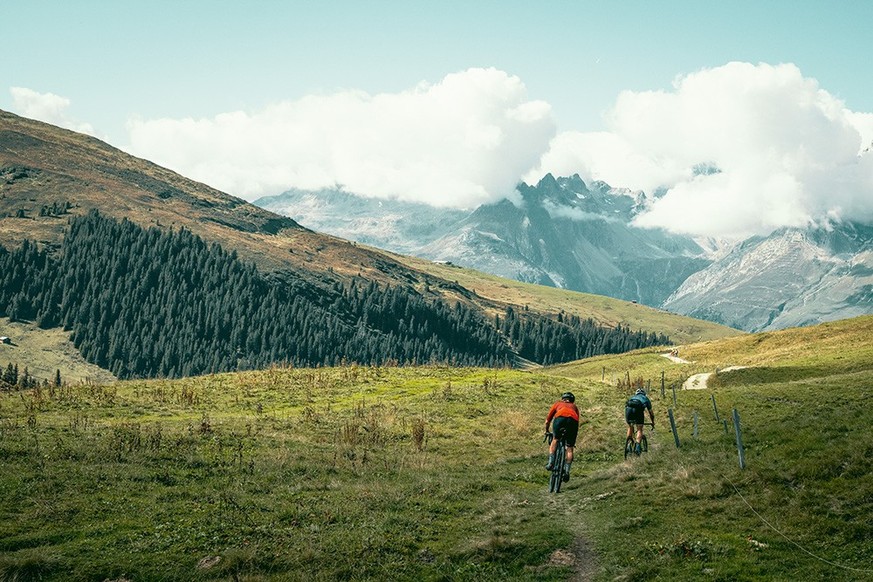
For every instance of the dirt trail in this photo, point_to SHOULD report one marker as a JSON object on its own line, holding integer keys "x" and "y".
{"x": 700, "y": 381}
{"x": 580, "y": 557}
{"x": 586, "y": 560}
{"x": 696, "y": 381}
{"x": 675, "y": 359}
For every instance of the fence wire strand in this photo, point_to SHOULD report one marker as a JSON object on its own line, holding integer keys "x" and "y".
{"x": 794, "y": 543}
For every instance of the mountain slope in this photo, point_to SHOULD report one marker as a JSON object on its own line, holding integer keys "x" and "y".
{"x": 605, "y": 310}
{"x": 350, "y": 298}
{"x": 562, "y": 233}
{"x": 42, "y": 165}
{"x": 793, "y": 277}
{"x": 401, "y": 227}
{"x": 569, "y": 235}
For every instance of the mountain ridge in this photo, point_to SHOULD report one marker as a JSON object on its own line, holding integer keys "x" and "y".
{"x": 792, "y": 277}
{"x": 561, "y": 233}
{"x": 566, "y": 234}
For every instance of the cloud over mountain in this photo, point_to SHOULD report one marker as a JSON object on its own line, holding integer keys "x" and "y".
{"x": 46, "y": 107}
{"x": 742, "y": 149}
{"x": 739, "y": 149}
{"x": 461, "y": 142}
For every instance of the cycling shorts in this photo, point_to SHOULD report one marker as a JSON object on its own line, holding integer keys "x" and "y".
{"x": 570, "y": 427}
{"x": 634, "y": 415}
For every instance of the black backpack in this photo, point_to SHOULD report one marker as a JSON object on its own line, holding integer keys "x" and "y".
{"x": 634, "y": 403}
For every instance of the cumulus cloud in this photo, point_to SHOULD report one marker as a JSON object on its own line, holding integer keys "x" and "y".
{"x": 461, "y": 142}
{"x": 741, "y": 149}
{"x": 46, "y": 107}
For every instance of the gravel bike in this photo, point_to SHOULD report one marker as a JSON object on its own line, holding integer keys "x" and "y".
{"x": 630, "y": 442}
{"x": 556, "y": 477}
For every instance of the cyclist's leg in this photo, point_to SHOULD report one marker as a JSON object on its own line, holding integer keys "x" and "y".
{"x": 640, "y": 437}
{"x": 553, "y": 447}
{"x": 629, "y": 420}
{"x": 571, "y": 432}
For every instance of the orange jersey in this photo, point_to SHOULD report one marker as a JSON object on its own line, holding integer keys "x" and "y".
{"x": 561, "y": 408}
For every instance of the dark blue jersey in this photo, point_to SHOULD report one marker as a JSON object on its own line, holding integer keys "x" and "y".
{"x": 643, "y": 400}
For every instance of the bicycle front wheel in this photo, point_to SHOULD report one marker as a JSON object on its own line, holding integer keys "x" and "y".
{"x": 556, "y": 478}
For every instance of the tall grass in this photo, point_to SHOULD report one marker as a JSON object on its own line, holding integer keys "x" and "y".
{"x": 437, "y": 473}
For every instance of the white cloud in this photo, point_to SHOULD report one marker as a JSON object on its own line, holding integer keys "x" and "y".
{"x": 461, "y": 142}
{"x": 46, "y": 107}
{"x": 561, "y": 211}
{"x": 788, "y": 152}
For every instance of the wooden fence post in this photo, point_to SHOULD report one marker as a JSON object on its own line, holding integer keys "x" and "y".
{"x": 603, "y": 374}
{"x": 696, "y": 418}
{"x": 673, "y": 426}
{"x": 714, "y": 407}
{"x": 740, "y": 450}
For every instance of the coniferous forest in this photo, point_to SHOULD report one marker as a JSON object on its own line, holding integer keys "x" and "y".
{"x": 547, "y": 341}
{"x": 151, "y": 303}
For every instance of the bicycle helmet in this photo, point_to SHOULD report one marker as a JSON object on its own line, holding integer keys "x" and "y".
{"x": 568, "y": 396}
{"x": 641, "y": 391}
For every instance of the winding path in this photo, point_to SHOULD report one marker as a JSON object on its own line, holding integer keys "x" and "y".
{"x": 698, "y": 381}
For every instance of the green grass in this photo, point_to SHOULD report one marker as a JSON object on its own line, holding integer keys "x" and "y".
{"x": 45, "y": 350}
{"x": 436, "y": 473}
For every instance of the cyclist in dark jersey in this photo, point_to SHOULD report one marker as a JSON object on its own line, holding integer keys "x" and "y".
{"x": 634, "y": 415}
{"x": 563, "y": 415}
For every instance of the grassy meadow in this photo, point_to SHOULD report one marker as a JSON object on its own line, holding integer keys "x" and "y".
{"x": 435, "y": 473}
{"x": 45, "y": 351}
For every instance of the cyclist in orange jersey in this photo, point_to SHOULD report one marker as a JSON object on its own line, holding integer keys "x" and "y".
{"x": 563, "y": 415}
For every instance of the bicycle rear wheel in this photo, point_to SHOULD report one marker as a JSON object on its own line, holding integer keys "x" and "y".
{"x": 645, "y": 444}
{"x": 628, "y": 447}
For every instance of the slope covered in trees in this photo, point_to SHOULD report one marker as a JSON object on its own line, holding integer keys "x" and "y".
{"x": 547, "y": 341}
{"x": 145, "y": 303}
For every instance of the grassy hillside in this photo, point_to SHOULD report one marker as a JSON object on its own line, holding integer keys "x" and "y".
{"x": 42, "y": 165}
{"x": 50, "y": 175}
{"x": 45, "y": 351}
{"x": 800, "y": 507}
{"x": 436, "y": 473}
{"x": 605, "y": 310}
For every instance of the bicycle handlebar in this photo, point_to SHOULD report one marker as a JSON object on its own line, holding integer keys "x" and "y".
{"x": 651, "y": 424}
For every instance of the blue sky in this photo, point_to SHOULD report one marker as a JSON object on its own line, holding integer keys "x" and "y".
{"x": 196, "y": 58}
{"x": 116, "y": 67}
